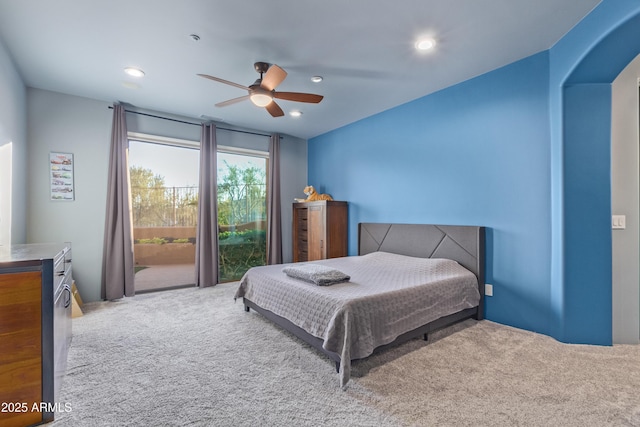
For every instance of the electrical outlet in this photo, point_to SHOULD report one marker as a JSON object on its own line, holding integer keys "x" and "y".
{"x": 488, "y": 290}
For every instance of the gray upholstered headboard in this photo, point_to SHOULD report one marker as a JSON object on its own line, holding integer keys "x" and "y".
{"x": 462, "y": 243}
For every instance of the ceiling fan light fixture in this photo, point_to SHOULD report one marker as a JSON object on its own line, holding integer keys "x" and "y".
{"x": 134, "y": 72}
{"x": 262, "y": 92}
{"x": 261, "y": 99}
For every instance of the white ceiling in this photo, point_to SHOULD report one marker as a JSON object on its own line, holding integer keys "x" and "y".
{"x": 364, "y": 49}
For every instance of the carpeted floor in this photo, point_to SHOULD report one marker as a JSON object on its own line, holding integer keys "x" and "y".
{"x": 194, "y": 357}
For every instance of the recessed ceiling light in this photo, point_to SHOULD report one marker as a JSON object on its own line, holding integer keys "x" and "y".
{"x": 425, "y": 44}
{"x": 134, "y": 72}
{"x": 295, "y": 113}
{"x": 316, "y": 79}
{"x": 194, "y": 37}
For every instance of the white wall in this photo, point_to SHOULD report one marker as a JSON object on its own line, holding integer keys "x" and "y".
{"x": 13, "y": 143}
{"x": 293, "y": 179}
{"x": 82, "y": 126}
{"x": 626, "y": 201}
{"x": 6, "y": 179}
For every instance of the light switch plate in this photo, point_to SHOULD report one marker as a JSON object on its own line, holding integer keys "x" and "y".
{"x": 619, "y": 222}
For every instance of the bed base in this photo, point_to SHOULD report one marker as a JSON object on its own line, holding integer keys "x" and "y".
{"x": 464, "y": 244}
{"x": 422, "y": 331}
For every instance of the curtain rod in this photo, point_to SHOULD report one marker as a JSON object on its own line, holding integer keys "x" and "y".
{"x": 194, "y": 124}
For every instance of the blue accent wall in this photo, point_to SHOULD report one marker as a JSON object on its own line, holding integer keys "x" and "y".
{"x": 476, "y": 153}
{"x": 583, "y": 66}
{"x": 523, "y": 150}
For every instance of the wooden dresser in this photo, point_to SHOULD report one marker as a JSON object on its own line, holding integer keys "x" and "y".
{"x": 319, "y": 230}
{"x": 35, "y": 330}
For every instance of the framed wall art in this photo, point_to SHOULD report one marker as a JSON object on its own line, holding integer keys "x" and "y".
{"x": 61, "y": 176}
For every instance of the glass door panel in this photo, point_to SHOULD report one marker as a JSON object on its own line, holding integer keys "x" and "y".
{"x": 164, "y": 202}
{"x": 242, "y": 214}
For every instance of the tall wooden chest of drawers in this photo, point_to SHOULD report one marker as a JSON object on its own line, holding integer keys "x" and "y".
{"x": 319, "y": 230}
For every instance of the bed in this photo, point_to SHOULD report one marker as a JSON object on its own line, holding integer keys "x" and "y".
{"x": 407, "y": 280}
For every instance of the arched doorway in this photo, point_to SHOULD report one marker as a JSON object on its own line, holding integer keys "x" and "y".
{"x": 585, "y": 282}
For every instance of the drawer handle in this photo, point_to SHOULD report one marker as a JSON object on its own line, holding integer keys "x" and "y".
{"x": 67, "y": 300}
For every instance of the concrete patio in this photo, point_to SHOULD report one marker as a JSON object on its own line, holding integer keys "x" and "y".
{"x": 158, "y": 277}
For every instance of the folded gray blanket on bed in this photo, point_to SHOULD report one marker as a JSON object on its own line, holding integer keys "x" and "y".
{"x": 317, "y": 274}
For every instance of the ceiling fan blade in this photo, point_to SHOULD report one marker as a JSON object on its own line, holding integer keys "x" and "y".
{"x": 227, "y": 82}
{"x": 273, "y": 77}
{"x": 274, "y": 109}
{"x": 299, "y": 97}
{"x": 232, "y": 101}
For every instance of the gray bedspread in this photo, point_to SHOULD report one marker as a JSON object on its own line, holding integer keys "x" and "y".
{"x": 387, "y": 295}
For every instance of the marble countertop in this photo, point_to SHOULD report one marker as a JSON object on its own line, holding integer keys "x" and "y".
{"x": 30, "y": 252}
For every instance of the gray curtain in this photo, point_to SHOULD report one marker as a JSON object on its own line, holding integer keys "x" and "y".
{"x": 207, "y": 227}
{"x": 117, "y": 260}
{"x": 274, "y": 226}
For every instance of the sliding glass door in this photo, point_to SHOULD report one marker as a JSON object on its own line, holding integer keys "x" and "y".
{"x": 242, "y": 212}
{"x": 164, "y": 202}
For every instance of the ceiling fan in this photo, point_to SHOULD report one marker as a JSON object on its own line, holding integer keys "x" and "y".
{"x": 262, "y": 91}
